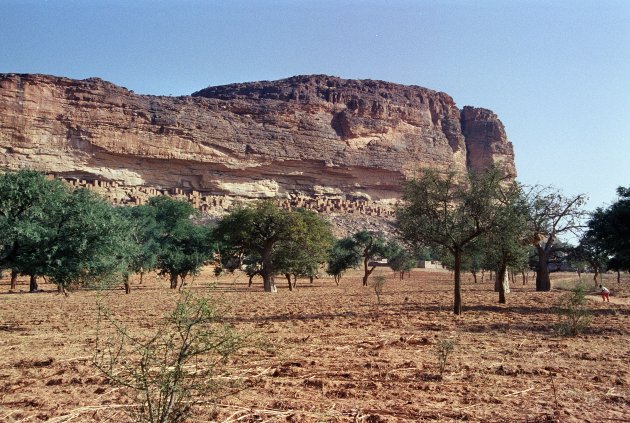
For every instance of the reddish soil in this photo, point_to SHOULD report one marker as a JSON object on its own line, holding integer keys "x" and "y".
{"x": 337, "y": 354}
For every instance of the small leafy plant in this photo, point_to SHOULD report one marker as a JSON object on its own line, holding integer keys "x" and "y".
{"x": 378, "y": 283}
{"x": 174, "y": 368}
{"x": 443, "y": 349}
{"x": 573, "y": 314}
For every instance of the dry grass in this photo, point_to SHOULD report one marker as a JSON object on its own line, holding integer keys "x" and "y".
{"x": 338, "y": 356}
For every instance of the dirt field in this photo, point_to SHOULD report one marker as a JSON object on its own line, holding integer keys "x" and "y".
{"x": 338, "y": 355}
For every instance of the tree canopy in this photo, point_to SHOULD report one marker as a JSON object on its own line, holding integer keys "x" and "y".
{"x": 551, "y": 215}
{"x": 273, "y": 240}
{"x": 400, "y": 259}
{"x": 87, "y": 241}
{"x": 308, "y": 247}
{"x": 182, "y": 245}
{"x": 343, "y": 256}
{"x": 505, "y": 245}
{"x": 27, "y": 201}
{"x": 610, "y": 229}
{"x": 371, "y": 246}
{"x": 448, "y": 212}
{"x": 361, "y": 247}
{"x": 73, "y": 237}
{"x": 144, "y": 237}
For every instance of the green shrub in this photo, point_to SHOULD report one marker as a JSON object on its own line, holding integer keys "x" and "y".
{"x": 573, "y": 314}
{"x": 443, "y": 349}
{"x": 175, "y": 367}
{"x": 378, "y": 282}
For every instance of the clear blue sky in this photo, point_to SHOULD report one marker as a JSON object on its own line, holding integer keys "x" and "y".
{"x": 557, "y": 73}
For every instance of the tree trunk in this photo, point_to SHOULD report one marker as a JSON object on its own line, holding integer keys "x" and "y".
{"x": 62, "y": 290}
{"x": 367, "y": 272}
{"x": 543, "y": 283}
{"x": 618, "y": 276}
{"x": 294, "y": 281}
{"x": 502, "y": 283}
{"x": 524, "y": 277}
{"x": 14, "y": 275}
{"x": 33, "y": 284}
{"x": 474, "y": 276}
{"x": 596, "y": 270}
{"x": 251, "y": 277}
{"x": 126, "y": 283}
{"x": 173, "y": 278}
{"x": 457, "y": 300}
{"x": 267, "y": 270}
{"x": 402, "y": 275}
{"x": 288, "y": 276}
{"x": 497, "y": 279}
{"x": 483, "y": 275}
{"x": 268, "y": 283}
{"x": 311, "y": 278}
{"x": 141, "y": 277}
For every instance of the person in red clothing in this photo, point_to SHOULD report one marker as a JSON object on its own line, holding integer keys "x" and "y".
{"x": 605, "y": 293}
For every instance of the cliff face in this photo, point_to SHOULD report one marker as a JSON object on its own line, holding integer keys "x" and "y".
{"x": 307, "y": 135}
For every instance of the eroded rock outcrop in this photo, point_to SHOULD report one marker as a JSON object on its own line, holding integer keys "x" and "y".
{"x": 313, "y": 136}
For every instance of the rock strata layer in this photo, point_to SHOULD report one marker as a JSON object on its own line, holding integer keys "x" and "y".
{"x": 306, "y": 136}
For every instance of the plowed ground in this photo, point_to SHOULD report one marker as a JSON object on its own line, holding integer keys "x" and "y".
{"x": 336, "y": 353}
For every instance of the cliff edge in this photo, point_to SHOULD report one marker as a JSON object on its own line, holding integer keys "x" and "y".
{"x": 312, "y": 136}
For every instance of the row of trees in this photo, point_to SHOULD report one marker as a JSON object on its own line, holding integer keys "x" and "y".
{"x": 46, "y": 229}
{"x": 481, "y": 219}
{"x": 483, "y": 222}
{"x": 487, "y": 222}
{"x": 75, "y": 237}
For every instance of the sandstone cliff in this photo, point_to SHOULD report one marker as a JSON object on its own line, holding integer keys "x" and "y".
{"x": 308, "y": 136}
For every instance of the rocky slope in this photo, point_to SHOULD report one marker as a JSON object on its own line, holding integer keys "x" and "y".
{"x": 309, "y": 136}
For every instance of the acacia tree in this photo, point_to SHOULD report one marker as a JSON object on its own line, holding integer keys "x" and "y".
{"x": 614, "y": 263}
{"x": 362, "y": 246}
{"x": 444, "y": 211}
{"x": 144, "y": 234}
{"x": 86, "y": 241}
{"x": 551, "y": 215}
{"x": 371, "y": 246}
{"x": 27, "y": 201}
{"x": 183, "y": 245}
{"x": 506, "y": 244}
{"x": 307, "y": 249}
{"x": 590, "y": 250}
{"x": 256, "y": 232}
{"x": 73, "y": 237}
{"x": 400, "y": 259}
{"x": 609, "y": 229}
{"x": 473, "y": 261}
{"x": 343, "y": 256}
